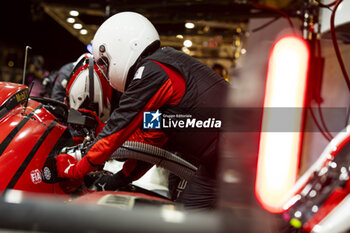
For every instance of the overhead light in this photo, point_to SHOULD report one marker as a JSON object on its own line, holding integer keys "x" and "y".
{"x": 237, "y": 42}
{"x": 243, "y": 51}
{"x": 77, "y": 26}
{"x": 179, "y": 36}
{"x": 189, "y": 25}
{"x": 185, "y": 50}
{"x": 187, "y": 43}
{"x": 70, "y": 20}
{"x": 74, "y": 13}
{"x": 10, "y": 64}
{"x": 83, "y": 31}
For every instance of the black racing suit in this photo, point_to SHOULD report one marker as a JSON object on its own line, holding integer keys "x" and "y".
{"x": 174, "y": 83}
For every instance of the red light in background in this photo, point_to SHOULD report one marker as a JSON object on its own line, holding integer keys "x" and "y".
{"x": 279, "y": 152}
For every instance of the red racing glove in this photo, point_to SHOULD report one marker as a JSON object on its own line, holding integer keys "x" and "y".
{"x": 68, "y": 167}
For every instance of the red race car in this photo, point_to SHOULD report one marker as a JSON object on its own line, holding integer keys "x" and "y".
{"x": 34, "y": 130}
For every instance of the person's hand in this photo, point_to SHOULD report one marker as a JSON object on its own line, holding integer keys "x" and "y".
{"x": 100, "y": 124}
{"x": 106, "y": 181}
{"x": 76, "y": 151}
{"x": 68, "y": 167}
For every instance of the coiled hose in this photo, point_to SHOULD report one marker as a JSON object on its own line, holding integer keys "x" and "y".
{"x": 157, "y": 156}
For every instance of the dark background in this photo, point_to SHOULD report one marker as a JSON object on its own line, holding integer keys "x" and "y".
{"x": 25, "y": 24}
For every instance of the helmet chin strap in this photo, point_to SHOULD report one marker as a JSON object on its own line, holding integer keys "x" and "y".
{"x": 91, "y": 102}
{"x": 91, "y": 79}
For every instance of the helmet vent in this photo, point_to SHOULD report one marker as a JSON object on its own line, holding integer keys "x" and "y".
{"x": 102, "y": 48}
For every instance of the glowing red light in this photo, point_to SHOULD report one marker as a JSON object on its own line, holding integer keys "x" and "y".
{"x": 279, "y": 152}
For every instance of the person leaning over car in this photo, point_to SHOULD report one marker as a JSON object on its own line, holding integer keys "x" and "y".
{"x": 151, "y": 78}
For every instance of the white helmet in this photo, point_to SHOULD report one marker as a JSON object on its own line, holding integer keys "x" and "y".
{"x": 119, "y": 42}
{"x": 86, "y": 81}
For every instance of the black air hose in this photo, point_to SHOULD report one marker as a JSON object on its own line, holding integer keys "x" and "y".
{"x": 157, "y": 156}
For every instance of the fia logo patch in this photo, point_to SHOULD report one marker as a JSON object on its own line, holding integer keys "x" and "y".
{"x": 35, "y": 176}
{"x": 151, "y": 120}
